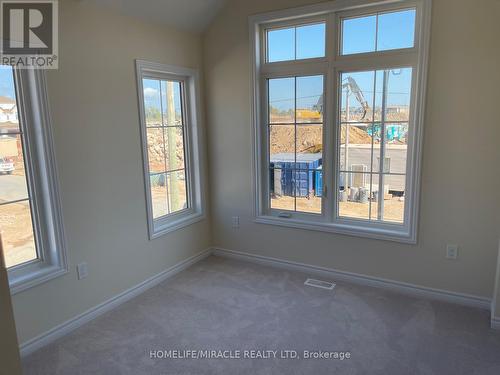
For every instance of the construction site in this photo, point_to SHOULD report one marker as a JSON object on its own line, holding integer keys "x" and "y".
{"x": 364, "y": 134}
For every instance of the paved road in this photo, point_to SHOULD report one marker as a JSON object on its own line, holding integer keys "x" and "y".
{"x": 12, "y": 188}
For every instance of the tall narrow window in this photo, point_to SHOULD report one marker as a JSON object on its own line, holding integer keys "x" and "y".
{"x": 168, "y": 123}
{"x": 16, "y": 213}
{"x": 373, "y": 144}
{"x": 295, "y": 142}
{"x": 165, "y": 144}
{"x": 30, "y": 212}
{"x": 338, "y": 107}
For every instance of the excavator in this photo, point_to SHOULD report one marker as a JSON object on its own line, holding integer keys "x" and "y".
{"x": 351, "y": 86}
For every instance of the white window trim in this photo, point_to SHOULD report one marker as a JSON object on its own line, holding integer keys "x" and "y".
{"x": 34, "y": 115}
{"x": 329, "y": 66}
{"x": 193, "y": 147}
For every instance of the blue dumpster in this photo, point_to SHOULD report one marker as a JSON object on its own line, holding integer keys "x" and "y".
{"x": 294, "y": 177}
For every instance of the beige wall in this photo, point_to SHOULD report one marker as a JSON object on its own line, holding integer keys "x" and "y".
{"x": 460, "y": 180}
{"x": 96, "y": 129}
{"x": 10, "y": 363}
{"x": 495, "y": 305}
{"x": 95, "y": 118}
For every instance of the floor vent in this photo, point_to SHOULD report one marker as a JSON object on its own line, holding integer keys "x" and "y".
{"x": 320, "y": 284}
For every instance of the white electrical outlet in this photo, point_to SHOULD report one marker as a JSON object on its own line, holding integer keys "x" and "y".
{"x": 451, "y": 251}
{"x": 236, "y": 221}
{"x": 82, "y": 270}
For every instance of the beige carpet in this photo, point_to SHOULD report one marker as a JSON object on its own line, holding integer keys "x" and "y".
{"x": 221, "y": 304}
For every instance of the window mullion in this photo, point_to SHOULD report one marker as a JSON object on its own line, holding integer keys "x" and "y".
{"x": 318, "y": 66}
{"x": 376, "y": 61}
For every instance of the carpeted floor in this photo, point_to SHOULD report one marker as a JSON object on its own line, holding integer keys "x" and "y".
{"x": 221, "y": 304}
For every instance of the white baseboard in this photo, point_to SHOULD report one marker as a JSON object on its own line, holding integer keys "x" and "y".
{"x": 59, "y": 331}
{"x": 495, "y": 322}
{"x": 337, "y": 275}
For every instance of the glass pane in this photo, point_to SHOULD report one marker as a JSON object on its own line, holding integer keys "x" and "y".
{"x": 282, "y": 188}
{"x": 281, "y": 100}
{"x": 309, "y": 142}
{"x": 396, "y": 30}
{"x": 152, "y": 102}
{"x": 175, "y": 148}
{"x": 378, "y": 32}
{"x": 15, "y": 218}
{"x": 17, "y": 233}
{"x": 177, "y": 195}
{"x": 13, "y": 184}
{"x": 306, "y": 198}
{"x": 310, "y": 41}
{"x": 9, "y": 121}
{"x": 310, "y": 99}
{"x": 171, "y": 99}
{"x": 159, "y": 194}
{"x": 308, "y": 174}
{"x": 281, "y": 143}
{"x": 395, "y": 85}
{"x": 156, "y": 150}
{"x": 357, "y": 96}
{"x": 281, "y": 44}
{"x": 392, "y": 209}
{"x": 396, "y": 146}
{"x": 354, "y": 195}
{"x": 355, "y": 147}
{"x": 358, "y": 34}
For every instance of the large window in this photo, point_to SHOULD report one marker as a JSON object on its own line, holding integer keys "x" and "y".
{"x": 30, "y": 219}
{"x": 338, "y": 117}
{"x": 167, "y": 99}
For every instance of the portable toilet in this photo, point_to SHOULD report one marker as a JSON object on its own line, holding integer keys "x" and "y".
{"x": 318, "y": 183}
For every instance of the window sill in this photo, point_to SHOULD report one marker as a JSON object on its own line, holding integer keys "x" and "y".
{"x": 396, "y": 234}
{"x": 29, "y": 275}
{"x": 162, "y": 227}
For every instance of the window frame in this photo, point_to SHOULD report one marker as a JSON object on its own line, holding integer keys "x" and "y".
{"x": 192, "y": 134}
{"x": 43, "y": 184}
{"x": 331, "y": 66}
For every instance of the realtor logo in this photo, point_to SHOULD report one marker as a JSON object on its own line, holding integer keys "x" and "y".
{"x": 29, "y": 34}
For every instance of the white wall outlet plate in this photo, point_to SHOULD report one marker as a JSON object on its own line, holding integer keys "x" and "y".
{"x": 451, "y": 251}
{"x": 82, "y": 270}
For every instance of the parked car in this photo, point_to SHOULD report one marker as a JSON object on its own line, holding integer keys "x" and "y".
{"x": 6, "y": 165}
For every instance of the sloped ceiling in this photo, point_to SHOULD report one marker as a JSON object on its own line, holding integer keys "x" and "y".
{"x": 190, "y": 15}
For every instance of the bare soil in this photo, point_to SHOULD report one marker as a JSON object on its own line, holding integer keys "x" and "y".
{"x": 393, "y": 207}
{"x": 17, "y": 233}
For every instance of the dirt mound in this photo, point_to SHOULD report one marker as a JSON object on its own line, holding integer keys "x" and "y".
{"x": 309, "y": 138}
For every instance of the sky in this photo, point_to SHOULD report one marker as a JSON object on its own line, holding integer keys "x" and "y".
{"x": 310, "y": 42}
{"x": 395, "y": 30}
{"x": 152, "y": 89}
{"x": 310, "y": 88}
{"x": 6, "y": 82}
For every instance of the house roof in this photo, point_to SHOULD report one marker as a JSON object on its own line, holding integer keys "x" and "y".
{"x": 6, "y": 100}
